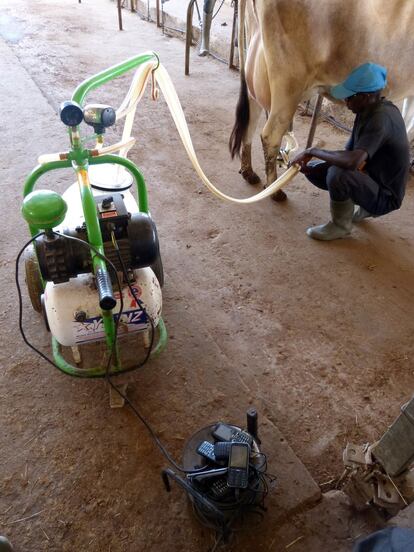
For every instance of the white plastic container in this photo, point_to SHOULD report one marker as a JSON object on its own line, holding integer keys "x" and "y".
{"x": 74, "y": 315}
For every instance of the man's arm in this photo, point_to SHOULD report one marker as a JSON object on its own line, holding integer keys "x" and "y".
{"x": 349, "y": 160}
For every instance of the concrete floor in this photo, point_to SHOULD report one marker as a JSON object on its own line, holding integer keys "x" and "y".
{"x": 316, "y": 336}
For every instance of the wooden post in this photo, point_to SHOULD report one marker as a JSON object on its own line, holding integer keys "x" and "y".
{"x": 189, "y": 36}
{"x": 158, "y": 13}
{"x": 119, "y": 15}
{"x": 233, "y": 34}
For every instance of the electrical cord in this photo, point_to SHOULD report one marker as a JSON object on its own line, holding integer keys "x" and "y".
{"x": 20, "y": 299}
{"x": 205, "y": 510}
{"x": 121, "y": 297}
{"x": 137, "y": 299}
{"x": 19, "y": 292}
{"x": 248, "y": 506}
{"x": 250, "y": 502}
{"x": 108, "y": 374}
{"x": 218, "y": 9}
{"x": 134, "y": 409}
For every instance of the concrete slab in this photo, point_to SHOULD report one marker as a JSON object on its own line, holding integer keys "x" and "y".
{"x": 330, "y": 525}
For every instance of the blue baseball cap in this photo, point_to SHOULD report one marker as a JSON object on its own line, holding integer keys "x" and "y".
{"x": 368, "y": 77}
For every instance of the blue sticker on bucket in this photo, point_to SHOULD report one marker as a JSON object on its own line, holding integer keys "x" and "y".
{"x": 92, "y": 329}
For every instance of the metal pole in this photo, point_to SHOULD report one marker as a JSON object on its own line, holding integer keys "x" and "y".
{"x": 119, "y": 15}
{"x": 233, "y": 34}
{"x": 314, "y": 121}
{"x": 158, "y": 13}
{"x": 189, "y": 36}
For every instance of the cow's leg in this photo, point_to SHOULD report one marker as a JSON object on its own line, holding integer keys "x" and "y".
{"x": 246, "y": 169}
{"x": 279, "y": 120}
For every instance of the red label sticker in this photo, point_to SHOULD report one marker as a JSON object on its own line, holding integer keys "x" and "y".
{"x": 109, "y": 214}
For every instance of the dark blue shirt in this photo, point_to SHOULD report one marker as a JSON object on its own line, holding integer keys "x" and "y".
{"x": 380, "y": 131}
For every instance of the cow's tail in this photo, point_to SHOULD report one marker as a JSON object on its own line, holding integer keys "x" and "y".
{"x": 242, "y": 121}
{"x": 242, "y": 109}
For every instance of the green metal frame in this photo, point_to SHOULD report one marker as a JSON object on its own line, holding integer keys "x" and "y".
{"x": 80, "y": 159}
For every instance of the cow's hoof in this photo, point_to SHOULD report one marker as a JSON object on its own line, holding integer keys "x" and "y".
{"x": 250, "y": 176}
{"x": 279, "y": 196}
{"x": 203, "y": 53}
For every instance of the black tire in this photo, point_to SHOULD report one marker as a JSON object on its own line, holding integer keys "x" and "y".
{"x": 33, "y": 279}
{"x": 158, "y": 270}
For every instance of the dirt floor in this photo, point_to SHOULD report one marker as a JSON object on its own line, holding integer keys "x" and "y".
{"x": 316, "y": 335}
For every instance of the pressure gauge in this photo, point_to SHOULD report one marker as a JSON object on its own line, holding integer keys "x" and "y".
{"x": 71, "y": 113}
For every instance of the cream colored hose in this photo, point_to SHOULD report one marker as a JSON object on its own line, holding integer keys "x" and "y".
{"x": 174, "y": 105}
{"x": 129, "y": 105}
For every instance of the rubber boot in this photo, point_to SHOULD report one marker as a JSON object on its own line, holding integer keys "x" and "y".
{"x": 339, "y": 227}
{"x": 5, "y": 545}
{"x": 360, "y": 214}
{"x": 205, "y": 34}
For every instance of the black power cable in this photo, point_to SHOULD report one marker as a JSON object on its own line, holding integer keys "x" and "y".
{"x": 108, "y": 374}
{"x": 124, "y": 397}
{"x": 138, "y": 301}
{"x": 209, "y": 515}
{"x": 249, "y": 502}
{"x": 19, "y": 292}
{"x": 204, "y": 505}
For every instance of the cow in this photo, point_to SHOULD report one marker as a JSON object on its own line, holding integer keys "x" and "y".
{"x": 299, "y": 47}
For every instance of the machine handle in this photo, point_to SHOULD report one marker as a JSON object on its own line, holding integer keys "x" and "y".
{"x": 108, "y": 74}
{"x": 107, "y": 300}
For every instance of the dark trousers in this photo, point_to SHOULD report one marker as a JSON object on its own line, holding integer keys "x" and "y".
{"x": 343, "y": 184}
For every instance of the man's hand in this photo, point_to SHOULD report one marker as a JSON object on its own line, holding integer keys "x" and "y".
{"x": 302, "y": 159}
{"x": 350, "y": 160}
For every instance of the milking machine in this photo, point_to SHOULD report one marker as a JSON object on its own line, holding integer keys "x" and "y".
{"x": 95, "y": 236}
{"x": 93, "y": 265}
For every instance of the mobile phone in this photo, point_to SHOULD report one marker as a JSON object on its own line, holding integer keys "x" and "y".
{"x": 206, "y": 449}
{"x": 222, "y": 450}
{"x": 240, "y": 436}
{"x": 200, "y": 476}
{"x": 219, "y": 489}
{"x": 224, "y": 432}
{"x": 238, "y": 471}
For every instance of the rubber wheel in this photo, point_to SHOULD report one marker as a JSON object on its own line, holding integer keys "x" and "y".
{"x": 158, "y": 270}
{"x": 33, "y": 280}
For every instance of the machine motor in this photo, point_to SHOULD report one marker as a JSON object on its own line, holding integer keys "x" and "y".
{"x": 61, "y": 259}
